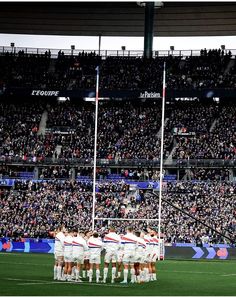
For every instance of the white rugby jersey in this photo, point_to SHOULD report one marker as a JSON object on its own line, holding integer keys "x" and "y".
{"x": 141, "y": 245}
{"x": 79, "y": 245}
{"x": 95, "y": 246}
{"x": 129, "y": 242}
{"x": 112, "y": 242}
{"x": 68, "y": 244}
{"x": 155, "y": 243}
{"x": 148, "y": 241}
{"x": 59, "y": 242}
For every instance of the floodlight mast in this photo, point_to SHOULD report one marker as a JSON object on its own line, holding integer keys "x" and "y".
{"x": 95, "y": 149}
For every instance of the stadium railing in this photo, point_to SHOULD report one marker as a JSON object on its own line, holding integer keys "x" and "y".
{"x": 177, "y": 163}
{"x": 104, "y": 53}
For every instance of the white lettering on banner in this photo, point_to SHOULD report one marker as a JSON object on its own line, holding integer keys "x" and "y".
{"x": 149, "y": 95}
{"x": 44, "y": 93}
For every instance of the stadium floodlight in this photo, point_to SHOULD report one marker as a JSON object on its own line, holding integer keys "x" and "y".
{"x": 12, "y": 46}
{"x": 216, "y": 99}
{"x": 123, "y": 48}
{"x": 72, "y": 49}
{"x": 92, "y": 99}
{"x": 63, "y": 99}
{"x": 156, "y": 4}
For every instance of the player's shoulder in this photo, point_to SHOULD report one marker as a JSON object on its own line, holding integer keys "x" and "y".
{"x": 75, "y": 238}
{"x": 142, "y": 240}
{"x": 60, "y": 235}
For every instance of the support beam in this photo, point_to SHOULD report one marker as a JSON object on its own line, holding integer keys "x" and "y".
{"x": 148, "y": 31}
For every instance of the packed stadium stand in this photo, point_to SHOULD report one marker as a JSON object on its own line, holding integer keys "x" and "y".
{"x": 43, "y": 71}
{"x": 33, "y": 208}
{"x": 47, "y": 146}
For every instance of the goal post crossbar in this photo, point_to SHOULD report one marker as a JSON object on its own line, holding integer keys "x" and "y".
{"x": 125, "y": 219}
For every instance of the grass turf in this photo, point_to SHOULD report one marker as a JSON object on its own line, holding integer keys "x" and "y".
{"x": 31, "y": 274}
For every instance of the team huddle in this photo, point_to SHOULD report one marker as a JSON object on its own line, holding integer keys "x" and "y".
{"x": 78, "y": 255}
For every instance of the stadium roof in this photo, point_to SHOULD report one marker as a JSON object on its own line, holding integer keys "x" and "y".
{"x": 117, "y": 18}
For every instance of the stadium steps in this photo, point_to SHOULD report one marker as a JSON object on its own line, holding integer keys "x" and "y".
{"x": 52, "y": 66}
{"x": 159, "y": 132}
{"x": 43, "y": 123}
{"x": 229, "y": 66}
{"x": 182, "y": 63}
{"x": 57, "y": 150}
{"x": 213, "y": 125}
{"x": 168, "y": 161}
{"x": 129, "y": 208}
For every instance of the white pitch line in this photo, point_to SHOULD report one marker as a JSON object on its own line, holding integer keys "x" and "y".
{"x": 40, "y": 282}
{"x": 188, "y": 271}
{"x": 232, "y": 274}
{"x": 23, "y": 279}
{"x": 74, "y": 283}
{"x": 11, "y": 254}
{"x": 24, "y": 263}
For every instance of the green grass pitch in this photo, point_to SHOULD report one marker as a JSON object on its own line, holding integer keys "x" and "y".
{"x": 32, "y": 274}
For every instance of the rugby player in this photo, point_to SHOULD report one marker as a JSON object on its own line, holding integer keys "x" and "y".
{"x": 68, "y": 255}
{"x": 140, "y": 254}
{"x": 87, "y": 235}
{"x": 79, "y": 247}
{"x": 129, "y": 241}
{"x": 112, "y": 243}
{"x": 95, "y": 246}
{"x": 147, "y": 269}
{"x": 59, "y": 253}
{"x": 155, "y": 253}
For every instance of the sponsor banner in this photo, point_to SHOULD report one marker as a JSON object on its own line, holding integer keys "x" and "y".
{"x": 123, "y": 94}
{"x": 198, "y": 253}
{"x": 147, "y": 94}
{"x": 44, "y": 93}
{"x": 141, "y": 185}
{"x": 7, "y": 182}
{"x": 167, "y": 252}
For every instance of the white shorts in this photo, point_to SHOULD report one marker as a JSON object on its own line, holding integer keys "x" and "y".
{"x": 128, "y": 257}
{"x": 68, "y": 257}
{"x": 139, "y": 258}
{"x": 58, "y": 254}
{"x": 148, "y": 257}
{"x": 110, "y": 256}
{"x": 95, "y": 259}
{"x": 86, "y": 255}
{"x": 120, "y": 256}
{"x": 155, "y": 256}
{"x": 78, "y": 258}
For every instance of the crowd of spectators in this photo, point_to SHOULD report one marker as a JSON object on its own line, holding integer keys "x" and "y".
{"x": 54, "y": 172}
{"x": 32, "y": 209}
{"x": 218, "y": 143}
{"x": 205, "y": 71}
{"x": 22, "y": 69}
{"x": 126, "y": 130}
{"x": 19, "y": 138}
{"x": 42, "y": 71}
{"x": 203, "y": 174}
